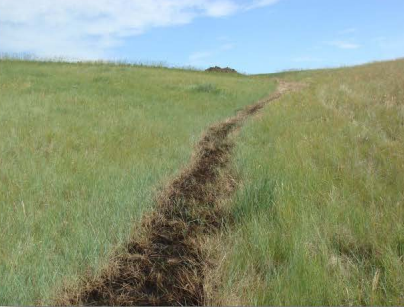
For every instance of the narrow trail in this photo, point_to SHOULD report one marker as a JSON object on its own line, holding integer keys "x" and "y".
{"x": 164, "y": 263}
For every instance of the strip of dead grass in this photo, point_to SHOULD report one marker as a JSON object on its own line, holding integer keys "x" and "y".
{"x": 165, "y": 261}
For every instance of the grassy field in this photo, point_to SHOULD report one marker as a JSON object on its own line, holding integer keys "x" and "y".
{"x": 83, "y": 149}
{"x": 319, "y": 214}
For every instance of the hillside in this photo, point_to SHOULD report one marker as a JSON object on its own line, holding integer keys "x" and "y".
{"x": 84, "y": 150}
{"x": 319, "y": 213}
{"x": 308, "y": 188}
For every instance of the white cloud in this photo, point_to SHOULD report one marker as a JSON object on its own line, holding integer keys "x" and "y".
{"x": 221, "y": 8}
{"x": 260, "y": 3}
{"x": 344, "y": 44}
{"x": 88, "y": 28}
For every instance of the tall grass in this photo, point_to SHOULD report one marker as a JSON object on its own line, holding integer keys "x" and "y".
{"x": 83, "y": 150}
{"x": 319, "y": 217}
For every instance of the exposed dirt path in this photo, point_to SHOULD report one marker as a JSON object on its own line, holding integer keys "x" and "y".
{"x": 164, "y": 263}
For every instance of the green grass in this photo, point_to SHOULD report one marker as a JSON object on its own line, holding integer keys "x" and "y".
{"x": 319, "y": 216}
{"x": 83, "y": 149}
{"x": 319, "y": 213}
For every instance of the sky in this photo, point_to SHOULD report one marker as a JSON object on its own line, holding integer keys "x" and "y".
{"x": 252, "y": 36}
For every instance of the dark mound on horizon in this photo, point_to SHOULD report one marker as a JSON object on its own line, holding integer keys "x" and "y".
{"x": 227, "y": 70}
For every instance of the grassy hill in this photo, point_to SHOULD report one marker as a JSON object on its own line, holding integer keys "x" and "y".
{"x": 83, "y": 149}
{"x": 318, "y": 215}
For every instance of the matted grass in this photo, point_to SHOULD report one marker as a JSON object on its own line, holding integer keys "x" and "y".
{"x": 319, "y": 216}
{"x": 83, "y": 149}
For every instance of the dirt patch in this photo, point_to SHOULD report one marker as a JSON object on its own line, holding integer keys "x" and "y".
{"x": 164, "y": 262}
{"x": 224, "y": 70}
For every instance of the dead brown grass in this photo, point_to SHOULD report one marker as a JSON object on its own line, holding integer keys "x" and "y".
{"x": 165, "y": 262}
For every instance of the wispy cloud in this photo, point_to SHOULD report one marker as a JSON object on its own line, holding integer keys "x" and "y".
{"x": 260, "y": 3}
{"x": 344, "y": 44}
{"x": 88, "y": 29}
{"x": 221, "y": 8}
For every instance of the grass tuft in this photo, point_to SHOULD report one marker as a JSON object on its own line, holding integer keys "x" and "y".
{"x": 206, "y": 88}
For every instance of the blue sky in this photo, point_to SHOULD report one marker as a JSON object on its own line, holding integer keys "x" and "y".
{"x": 253, "y": 36}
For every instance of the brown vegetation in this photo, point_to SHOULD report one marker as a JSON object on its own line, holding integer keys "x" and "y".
{"x": 164, "y": 263}
{"x": 219, "y": 69}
